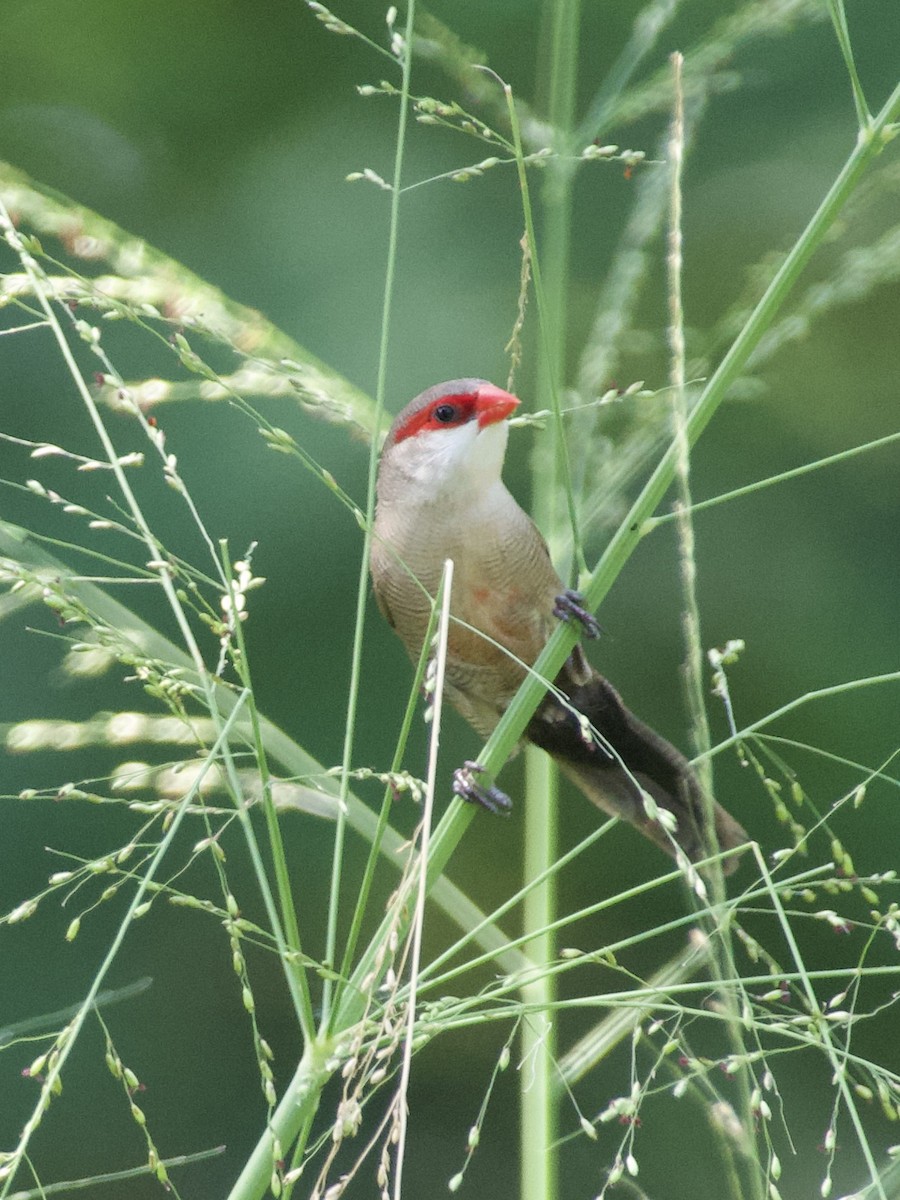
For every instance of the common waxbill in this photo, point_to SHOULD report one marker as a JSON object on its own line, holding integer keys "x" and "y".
{"x": 440, "y": 496}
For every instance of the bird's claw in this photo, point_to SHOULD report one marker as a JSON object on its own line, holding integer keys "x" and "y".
{"x": 571, "y": 604}
{"x": 488, "y": 797}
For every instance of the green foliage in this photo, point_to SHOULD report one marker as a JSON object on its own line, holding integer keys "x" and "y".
{"x": 216, "y": 814}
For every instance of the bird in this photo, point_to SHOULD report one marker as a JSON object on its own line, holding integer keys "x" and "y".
{"x": 440, "y": 495}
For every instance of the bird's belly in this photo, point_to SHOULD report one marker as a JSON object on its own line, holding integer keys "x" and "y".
{"x": 495, "y": 636}
{"x": 501, "y": 609}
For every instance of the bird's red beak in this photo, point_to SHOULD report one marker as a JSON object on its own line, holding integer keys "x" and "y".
{"x": 493, "y": 405}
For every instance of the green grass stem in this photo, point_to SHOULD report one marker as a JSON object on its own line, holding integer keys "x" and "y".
{"x": 362, "y": 589}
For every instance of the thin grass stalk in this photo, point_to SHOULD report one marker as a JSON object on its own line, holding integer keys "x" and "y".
{"x": 842, "y": 33}
{"x": 693, "y": 665}
{"x": 667, "y": 1001}
{"x": 782, "y": 477}
{"x": 375, "y": 849}
{"x": 362, "y": 590}
{"x": 35, "y": 273}
{"x": 552, "y": 474}
{"x": 430, "y": 973}
{"x": 823, "y": 693}
{"x": 273, "y": 827}
{"x": 837, "y": 1059}
{"x": 285, "y": 925}
{"x": 443, "y": 600}
{"x": 721, "y": 957}
{"x": 66, "y": 1186}
{"x": 595, "y": 1045}
{"x": 48, "y": 1021}
{"x": 507, "y": 986}
{"x": 448, "y": 826}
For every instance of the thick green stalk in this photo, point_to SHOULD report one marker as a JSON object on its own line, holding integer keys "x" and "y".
{"x": 296, "y": 1111}
{"x": 539, "y": 1157}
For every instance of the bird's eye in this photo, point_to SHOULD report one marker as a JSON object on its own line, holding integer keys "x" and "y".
{"x": 444, "y": 413}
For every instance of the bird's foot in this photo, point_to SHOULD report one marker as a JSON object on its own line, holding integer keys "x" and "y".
{"x": 571, "y": 605}
{"x": 467, "y": 788}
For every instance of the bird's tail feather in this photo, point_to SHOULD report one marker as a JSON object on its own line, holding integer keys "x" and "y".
{"x": 626, "y": 760}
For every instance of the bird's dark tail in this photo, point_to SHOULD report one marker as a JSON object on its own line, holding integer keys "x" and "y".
{"x": 628, "y": 759}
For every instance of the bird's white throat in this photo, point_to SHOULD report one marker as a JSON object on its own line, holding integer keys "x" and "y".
{"x": 450, "y": 460}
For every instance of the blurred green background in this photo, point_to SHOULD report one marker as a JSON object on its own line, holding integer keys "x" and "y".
{"x": 222, "y": 133}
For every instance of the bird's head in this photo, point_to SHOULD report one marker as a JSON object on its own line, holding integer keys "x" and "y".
{"x": 453, "y": 434}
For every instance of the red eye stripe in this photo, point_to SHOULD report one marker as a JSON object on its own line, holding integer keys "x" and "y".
{"x": 451, "y": 405}
{"x": 464, "y": 404}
